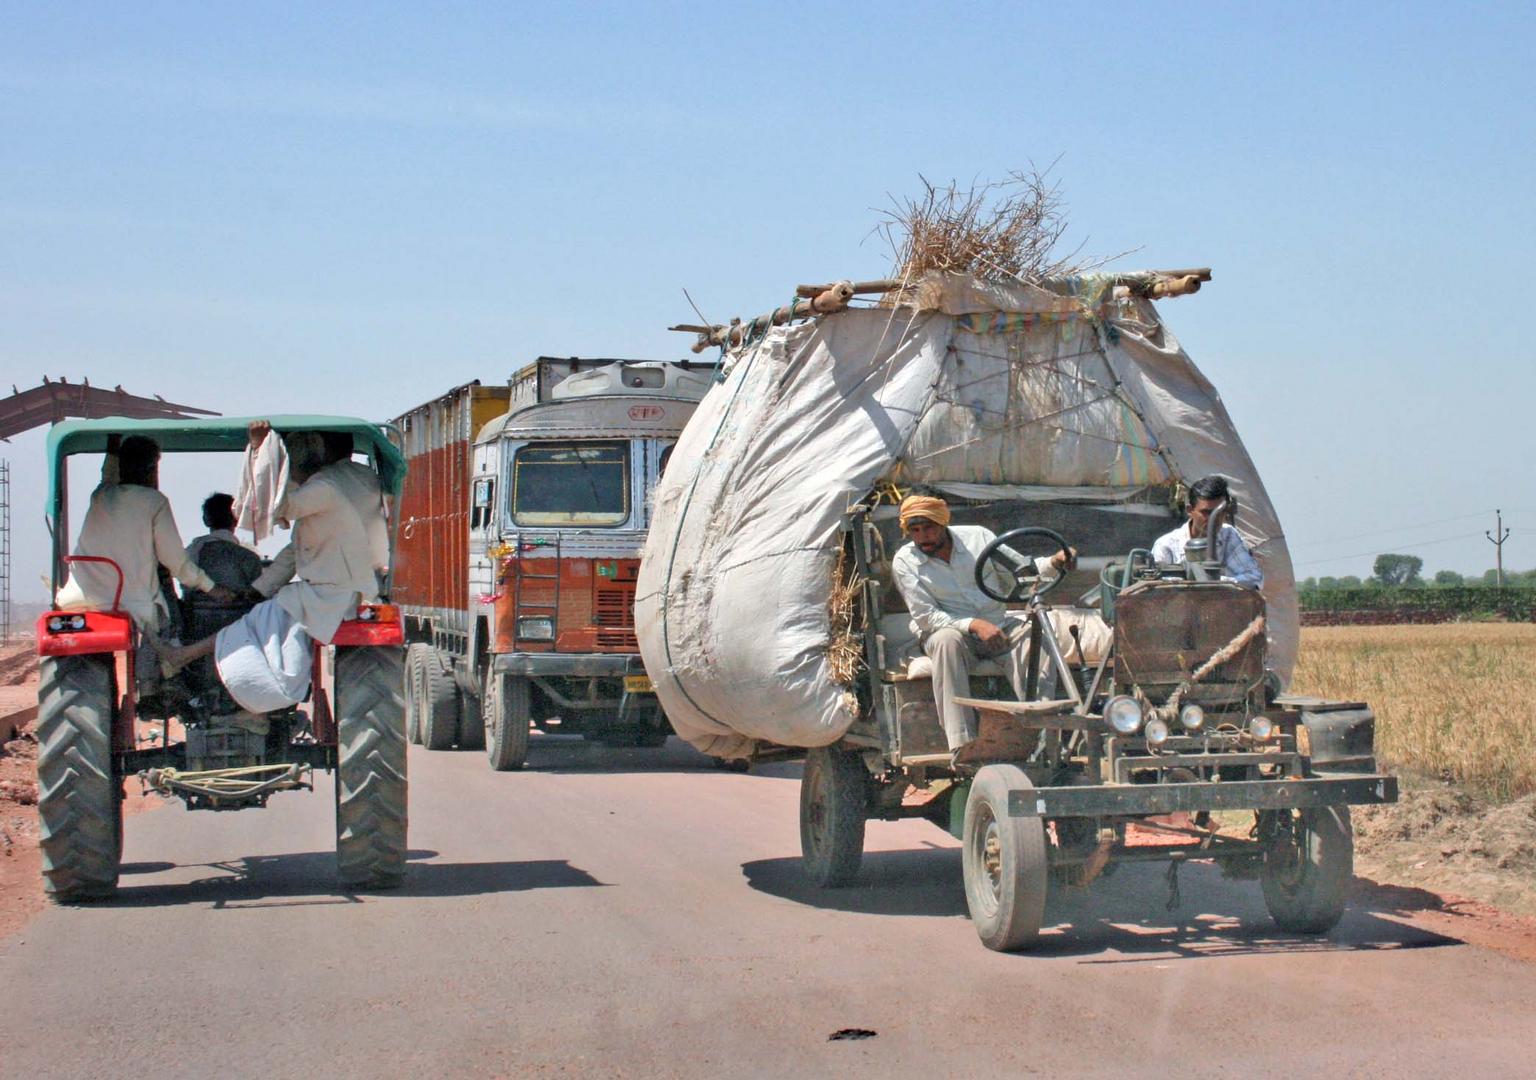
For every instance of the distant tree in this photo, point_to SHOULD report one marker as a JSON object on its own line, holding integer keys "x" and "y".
{"x": 1308, "y": 584}
{"x": 1349, "y": 581}
{"x": 1491, "y": 577}
{"x": 1328, "y": 583}
{"x": 1449, "y": 578}
{"x": 1392, "y": 570}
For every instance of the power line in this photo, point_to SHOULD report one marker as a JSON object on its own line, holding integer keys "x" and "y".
{"x": 1406, "y": 547}
{"x": 1396, "y": 529}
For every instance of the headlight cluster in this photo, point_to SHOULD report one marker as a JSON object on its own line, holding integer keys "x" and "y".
{"x": 1123, "y": 714}
{"x": 64, "y": 624}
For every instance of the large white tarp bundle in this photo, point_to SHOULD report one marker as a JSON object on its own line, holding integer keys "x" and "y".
{"x": 969, "y": 387}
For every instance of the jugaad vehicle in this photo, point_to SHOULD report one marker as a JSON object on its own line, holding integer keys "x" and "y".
{"x": 94, "y": 705}
{"x": 1050, "y": 410}
{"x": 1175, "y": 720}
{"x": 522, "y": 524}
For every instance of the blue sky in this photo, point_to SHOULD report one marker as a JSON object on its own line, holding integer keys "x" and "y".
{"x": 354, "y": 207}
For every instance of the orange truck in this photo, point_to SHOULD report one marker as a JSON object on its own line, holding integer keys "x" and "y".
{"x": 524, "y": 512}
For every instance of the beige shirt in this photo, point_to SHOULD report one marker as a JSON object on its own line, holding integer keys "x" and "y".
{"x": 941, "y": 594}
{"x": 330, "y": 553}
{"x": 134, "y": 527}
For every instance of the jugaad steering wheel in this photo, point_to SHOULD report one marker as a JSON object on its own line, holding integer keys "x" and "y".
{"x": 1027, "y": 584}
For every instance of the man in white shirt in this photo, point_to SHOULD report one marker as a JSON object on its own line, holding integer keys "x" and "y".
{"x": 131, "y": 523}
{"x": 1237, "y": 563}
{"x": 264, "y": 659}
{"x": 958, "y": 624}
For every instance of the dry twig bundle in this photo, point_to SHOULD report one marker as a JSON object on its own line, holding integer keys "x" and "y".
{"x": 1003, "y": 229}
{"x": 845, "y": 649}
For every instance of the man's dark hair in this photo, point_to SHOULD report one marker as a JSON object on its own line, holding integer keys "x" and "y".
{"x": 1208, "y": 487}
{"x": 137, "y": 457}
{"x": 219, "y": 511}
{"x": 338, "y": 446}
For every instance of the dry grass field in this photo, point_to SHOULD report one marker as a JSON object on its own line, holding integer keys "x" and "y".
{"x": 1456, "y": 701}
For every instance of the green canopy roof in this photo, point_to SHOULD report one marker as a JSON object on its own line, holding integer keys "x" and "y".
{"x": 226, "y": 434}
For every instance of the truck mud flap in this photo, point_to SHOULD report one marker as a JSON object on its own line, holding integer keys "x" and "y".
{"x": 1121, "y": 800}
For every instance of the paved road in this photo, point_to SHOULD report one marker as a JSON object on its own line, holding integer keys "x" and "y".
{"x": 639, "y": 913}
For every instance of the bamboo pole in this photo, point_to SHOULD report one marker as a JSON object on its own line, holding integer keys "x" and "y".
{"x": 831, "y": 297}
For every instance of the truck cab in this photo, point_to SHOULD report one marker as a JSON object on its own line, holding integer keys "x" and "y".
{"x": 556, "y": 510}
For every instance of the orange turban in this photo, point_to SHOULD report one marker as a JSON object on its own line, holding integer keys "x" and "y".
{"x": 924, "y": 506}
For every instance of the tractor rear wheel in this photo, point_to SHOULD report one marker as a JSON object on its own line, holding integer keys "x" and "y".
{"x": 507, "y": 707}
{"x": 834, "y": 804}
{"x": 1308, "y": 863}
{"x": 1004, "y": 861}
{"x": 370, "y": 771}
{"x": 79, "y": 798}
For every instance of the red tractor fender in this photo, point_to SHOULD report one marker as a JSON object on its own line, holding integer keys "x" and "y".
{"x": 76, "y": 633}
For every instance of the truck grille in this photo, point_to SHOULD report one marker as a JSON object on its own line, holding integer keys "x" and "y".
{"x": 615, "y": 618}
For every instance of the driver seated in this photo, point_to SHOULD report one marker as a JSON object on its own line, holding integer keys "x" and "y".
{"x": 957, "y": 624}
{"x": 230, "y": 563}
{"x": 1237, "y": 563}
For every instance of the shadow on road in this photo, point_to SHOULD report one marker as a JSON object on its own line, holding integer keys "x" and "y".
{"x": 310, "y": 878}
{"x": 1122, "y": 918}
{"x": 573, "y": 754}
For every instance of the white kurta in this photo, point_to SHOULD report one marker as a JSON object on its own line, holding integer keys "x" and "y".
{"x": 941, "y": 594}
{"x": 133, "y": 526}
{"x": 330, "y": 553}
{"x": 361, "y": 485}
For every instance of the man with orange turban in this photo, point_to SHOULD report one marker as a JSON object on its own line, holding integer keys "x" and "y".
{"x": 958, "y": 624}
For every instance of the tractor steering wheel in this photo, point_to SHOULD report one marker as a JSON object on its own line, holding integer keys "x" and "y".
{"x": 1026, "y": 586}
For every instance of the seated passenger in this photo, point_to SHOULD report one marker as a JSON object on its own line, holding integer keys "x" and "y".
{"x": 1237, "y": 562}
{"x": 130, "y": 522}
{"x": 230, "y": 563}
{"x": 264, "y": 659}
{"x": 958, "y": 624}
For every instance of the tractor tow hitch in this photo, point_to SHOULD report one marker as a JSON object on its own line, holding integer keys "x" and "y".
{"x": 228, "y": 789}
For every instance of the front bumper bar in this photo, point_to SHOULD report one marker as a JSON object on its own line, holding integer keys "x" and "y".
{"x": 1132, "y": 800}
{"x": 548, "y": 664}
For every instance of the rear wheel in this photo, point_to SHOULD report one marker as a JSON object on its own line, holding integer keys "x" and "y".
{"x": 1004, "y": 860}
{"x": 370, "y": 773}
{"x": 79, "y": 799}
{"x": 1309, "y": 859}
{"x": 415, "y": 655}
{"x": 439, "y": 704}
{"x": 834, "y": 802}
{"x": 506, "y": 706}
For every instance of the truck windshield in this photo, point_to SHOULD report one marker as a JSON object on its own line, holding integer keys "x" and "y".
{"x": 577, "y": 483}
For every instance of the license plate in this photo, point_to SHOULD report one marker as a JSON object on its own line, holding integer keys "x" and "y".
{"x": 638, "y": 684}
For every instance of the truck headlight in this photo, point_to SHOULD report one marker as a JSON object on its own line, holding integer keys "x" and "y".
{"x": 1123, "y": 714}
{"x": 1261, "y": 727}
{"x": 1157, "y": 732}
{"x": 540, "y": 628}
{"x": 1191, "y": 718}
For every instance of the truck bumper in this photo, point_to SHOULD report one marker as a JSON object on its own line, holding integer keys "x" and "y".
{"x": 588, "y": 665}
{"x": 1129, "y": 800}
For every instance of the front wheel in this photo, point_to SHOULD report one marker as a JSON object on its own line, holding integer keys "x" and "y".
{"x": 507, "y": 706}
{"x": 834, "y": 802}
{"x": 1004, "y": 861}
{"x": 1309, "y": 859}
{"x": 79, "y": 798}
{"x": 371, "y": 787}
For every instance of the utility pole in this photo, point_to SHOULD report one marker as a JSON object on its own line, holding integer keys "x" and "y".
{"x": 5, "y": 551}
{"x": 1498, "y": 544}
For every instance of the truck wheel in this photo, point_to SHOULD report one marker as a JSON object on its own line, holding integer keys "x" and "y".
{"x": 370, "y": 769}
{"x": 834, "y": 802}
{"x": 471, "y": 717}
{"x": 1308, "y": 864}
{"x": 439, "y": 704}
{"x": 79, "y": 803}
{"x": 415, "y": 654}
{"x": 506, "y": 707}
{"x": 1004, "y": 861}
